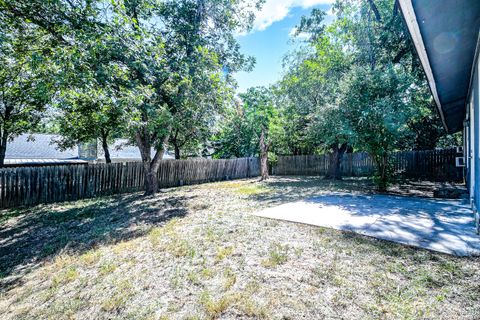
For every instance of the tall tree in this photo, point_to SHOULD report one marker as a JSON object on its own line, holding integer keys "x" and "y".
{"x": 263, "y": 117}
{"x": 311, "y": 86}
{"x": 166, "y": 55}
{"x": 235, "y": 137}
{"x": 24, "y": 87}
{"x": 368, "y": 40}
{"x": 88, "y": 115}
{"x": 378, "y": 107}
{"x": 197, "y": 38}
{"x": 252, "y": 128}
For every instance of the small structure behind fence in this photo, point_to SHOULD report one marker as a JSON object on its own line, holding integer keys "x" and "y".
{"x": 438, "y": 165}
{"x": 27, "y": 186}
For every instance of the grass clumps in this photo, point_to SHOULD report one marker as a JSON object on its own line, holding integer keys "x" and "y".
{"x": 222, "y": 253}
{"x": 68, "y": 275}
{"x": 252, "y": 190}
{"x": 155, "y": 236}
{"x": 230, "y": 279}
{"x": 277, "y": 255}
{"x": 107, "y": 268}
{"x": 207, "y": 273}
{"x": 215, "y": 307}
{"x": 91, "y": 257}
{"x": 167, "y": 238}
{"x": 242, "y": 302}
{"x": 124, "y": 247}
{"x": 122, "y": 293}
{"x": 252, "y": 309}
{"x": 181, "y": 248}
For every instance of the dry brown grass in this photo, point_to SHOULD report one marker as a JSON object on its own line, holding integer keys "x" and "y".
{"x": 196, "y": 253}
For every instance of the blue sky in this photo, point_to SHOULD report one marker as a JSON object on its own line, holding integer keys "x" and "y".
{"x": 270, "y": 39}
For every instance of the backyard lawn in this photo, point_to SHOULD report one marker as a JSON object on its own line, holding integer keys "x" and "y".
{"x": 195, "y": 252}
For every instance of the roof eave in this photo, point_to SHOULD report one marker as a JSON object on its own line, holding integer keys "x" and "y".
{"x": 410, "y": 19}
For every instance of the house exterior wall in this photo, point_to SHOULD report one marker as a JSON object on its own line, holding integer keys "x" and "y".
{"x": 472, "y": 142}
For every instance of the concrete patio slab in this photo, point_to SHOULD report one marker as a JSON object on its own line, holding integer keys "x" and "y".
{"x": 446, "y": 226}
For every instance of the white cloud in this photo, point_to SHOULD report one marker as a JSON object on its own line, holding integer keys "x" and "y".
{"x": 276, "y": 10}
{"x": 301, "y": 35}
{"x": 329, "y": 18}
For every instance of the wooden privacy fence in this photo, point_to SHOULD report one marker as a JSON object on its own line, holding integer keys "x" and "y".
{"x": 35, "y": 185}
{"x": 436, "y": 165}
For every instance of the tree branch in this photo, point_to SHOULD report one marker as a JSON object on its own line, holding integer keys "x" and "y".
{"x": 159, "y": 154}
{"x": 374, "y": 8}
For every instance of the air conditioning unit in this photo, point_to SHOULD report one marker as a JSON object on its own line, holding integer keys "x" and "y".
{"x": 460, "y": 161}
{"x": 460, "y": 150}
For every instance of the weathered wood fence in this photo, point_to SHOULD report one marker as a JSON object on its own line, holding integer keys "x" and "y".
{"x": 436, "y": 165}
{"x": 34, "y": 185}
{"x": 26, "y": 186}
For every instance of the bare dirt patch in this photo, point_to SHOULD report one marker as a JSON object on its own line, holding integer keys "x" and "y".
{"x": 195, "y": 253}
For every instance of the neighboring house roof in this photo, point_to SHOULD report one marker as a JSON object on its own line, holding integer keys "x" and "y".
{"x": 122, "y": 149}
{"x": 37, "y": 146}
{"x": 42, "y": 162}
{"x": 40, "y": 149}
{"x": 445, "y": 34}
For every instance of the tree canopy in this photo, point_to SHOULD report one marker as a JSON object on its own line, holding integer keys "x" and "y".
{"x": 160, "y": 66}
{"x": 25, "y": 87}
{"x": 161, "y": 74}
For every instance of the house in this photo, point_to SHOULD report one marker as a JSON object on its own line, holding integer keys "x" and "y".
{"x": 122, "y": 151}
{"x": 41, "y": 150}
{"x": 446, "y": 37}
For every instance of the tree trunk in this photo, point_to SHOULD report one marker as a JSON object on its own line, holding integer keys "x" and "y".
{"x": 263, "y": 156}
{"x": 382, "y": 173}
{"x": 175, "y": 143}
{"x": 384, "y": 176}
{"x": 4, "y": 136}
{"x": 3, "y": 151}
{"x": 177, "y": 151}
{"x": 151, "y": 181}
{"x": 334, "y": 172}
{"x": 150, "y": 165}
{"x": 105, "y": 150}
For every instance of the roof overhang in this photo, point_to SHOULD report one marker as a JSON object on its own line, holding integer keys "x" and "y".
{"x": 445, "y": 34}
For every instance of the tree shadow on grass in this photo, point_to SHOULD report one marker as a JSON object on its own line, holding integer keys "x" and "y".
{"x": 430, "y": 222}
{"x": 293, "y": 188}
{"x": 30, "y": 236}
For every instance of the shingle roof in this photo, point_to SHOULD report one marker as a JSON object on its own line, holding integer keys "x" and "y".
{"x": 37, "y": 146}
{"x": 30, "y": 148}
{"x": 122, "y": 149}
{"x": 42, "y": 162}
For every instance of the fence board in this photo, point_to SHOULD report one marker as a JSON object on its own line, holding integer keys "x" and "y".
{"x": 25, "y": 186}
{"x": 436, "y": 165}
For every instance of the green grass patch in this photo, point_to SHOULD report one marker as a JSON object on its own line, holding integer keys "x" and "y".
{"x": 65, "y": 276}
{"x": 215, "y": 307}
{"x": 122, "y": 293}
{"x": 181, "y": 248}
{"x": 277, "y": 255}
{"x": 252, "y": 190}
{"x": 230, "y": 279}
{"x": 107, "y": 268}
{"x": 223, "y": 252}
{"x": 91, "y": 257}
